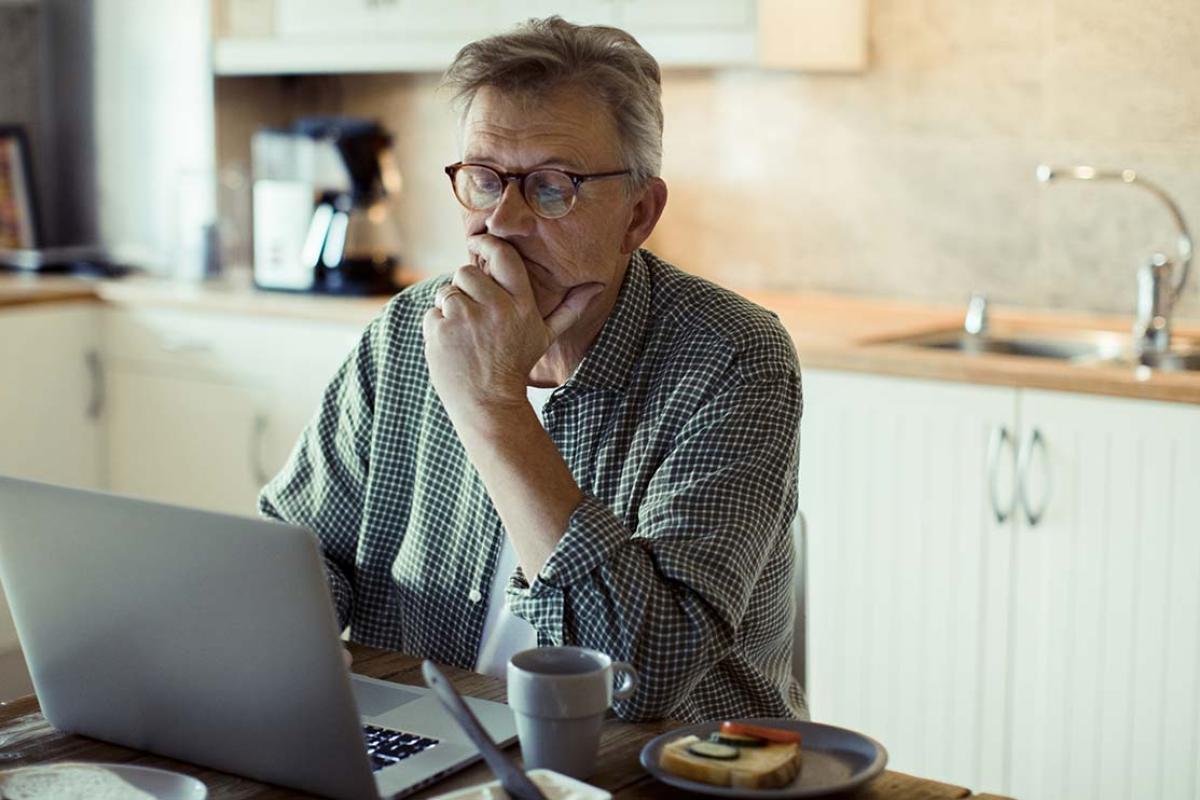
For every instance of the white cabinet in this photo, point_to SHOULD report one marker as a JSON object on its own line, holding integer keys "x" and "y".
{"x": 188, "y": 442}
{"x": 205, "y": 407}
{"x": 907, "y": 568}
{"x": 1106, "y": 618}
{"x": 50, "y": 401}
{"x": 315, "y": 36}
{"x": 321, "y": 19}
{"x": 1050, "y": 652}
{"x": 50, "y": 394}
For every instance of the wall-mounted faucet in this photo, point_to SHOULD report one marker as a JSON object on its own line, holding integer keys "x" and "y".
{"x": 1157, "y": 294}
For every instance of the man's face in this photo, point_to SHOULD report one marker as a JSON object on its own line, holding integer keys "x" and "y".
{"x": 568, "y": 130}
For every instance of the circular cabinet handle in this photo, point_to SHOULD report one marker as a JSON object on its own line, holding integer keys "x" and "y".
{"x": 996, "y": 445}
{"x": 1024, "y": 460}
{"x": 257, "y": 436}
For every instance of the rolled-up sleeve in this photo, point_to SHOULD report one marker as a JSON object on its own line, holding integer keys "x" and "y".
{"x": 668, "y": 589}
{"x": 321, "y": 484}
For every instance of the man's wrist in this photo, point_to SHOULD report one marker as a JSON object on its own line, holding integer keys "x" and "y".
{"x": 493, "y": 418}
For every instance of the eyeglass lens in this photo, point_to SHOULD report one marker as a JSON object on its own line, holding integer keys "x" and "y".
{"x": 550, "y": 193}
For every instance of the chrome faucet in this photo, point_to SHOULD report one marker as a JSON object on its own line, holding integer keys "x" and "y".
{"x": 1152, "y": 327}
{"x": 976, "y": 322}
{"x": 1156, "y": 294}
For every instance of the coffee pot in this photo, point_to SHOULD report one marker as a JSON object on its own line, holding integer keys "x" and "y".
{"x": 323, "y": 201}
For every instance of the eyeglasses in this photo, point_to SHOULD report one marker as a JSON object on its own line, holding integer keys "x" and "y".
{"x": 550, "y": 193}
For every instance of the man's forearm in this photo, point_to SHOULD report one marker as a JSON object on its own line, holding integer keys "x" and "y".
{"x": 530, "y": 485}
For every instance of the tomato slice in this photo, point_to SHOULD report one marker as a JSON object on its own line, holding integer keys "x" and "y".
{"x": 770, "y": 734}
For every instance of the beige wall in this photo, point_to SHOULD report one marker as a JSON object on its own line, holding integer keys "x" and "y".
{"x": 914, "y": 179}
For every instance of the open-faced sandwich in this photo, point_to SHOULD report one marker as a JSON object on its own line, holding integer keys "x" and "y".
{"x": 745, "y": 756}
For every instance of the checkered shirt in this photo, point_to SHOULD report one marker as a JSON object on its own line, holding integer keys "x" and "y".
{"x": 681, "y": 427}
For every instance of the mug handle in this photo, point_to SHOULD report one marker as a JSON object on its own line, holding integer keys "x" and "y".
{"x": 628, "y": 680}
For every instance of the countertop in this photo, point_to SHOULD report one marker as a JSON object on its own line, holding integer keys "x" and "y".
{"x": 830, "y": 331}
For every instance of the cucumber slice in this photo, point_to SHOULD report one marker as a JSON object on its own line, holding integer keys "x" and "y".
{"x": 736, "y": 739}
{"x": 721, "y": 752}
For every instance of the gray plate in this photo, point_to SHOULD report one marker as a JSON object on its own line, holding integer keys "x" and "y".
{"x": 162, "y": 784}
{"x": 835, "y": 760}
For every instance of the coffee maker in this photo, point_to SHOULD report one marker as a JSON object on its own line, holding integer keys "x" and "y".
{"x": 323, "y": 217}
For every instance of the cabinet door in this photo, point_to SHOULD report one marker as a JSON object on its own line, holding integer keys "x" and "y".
{"x": 49, "y": 394}
{"x": 246, "y": 383}
{"x": 189, "y": 442}
{"x": 703, "y": 33}
{"x": 49, "y": 419}
{"x": 374, "y": 18}
{"x": 1107, "y": 601}
{"x": 908, "y": 568}
{"x": 302, "y": 373}
{"x": 640, "y": 16}
{"x": 507, "y": 13}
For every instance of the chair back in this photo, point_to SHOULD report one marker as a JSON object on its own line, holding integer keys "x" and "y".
{"x": 799, "y": 631}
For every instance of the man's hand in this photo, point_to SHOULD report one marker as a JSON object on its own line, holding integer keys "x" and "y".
{"x": 485, "y": 333}
{"x": 482, "y": 338}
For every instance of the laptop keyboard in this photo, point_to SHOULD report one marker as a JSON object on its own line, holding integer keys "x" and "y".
{"x": 387, "y": 747}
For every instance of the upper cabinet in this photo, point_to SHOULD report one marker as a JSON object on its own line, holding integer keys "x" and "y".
{"x": 264, "y": 37}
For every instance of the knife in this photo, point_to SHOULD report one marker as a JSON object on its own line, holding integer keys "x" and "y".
{"x": 512, "y": 778}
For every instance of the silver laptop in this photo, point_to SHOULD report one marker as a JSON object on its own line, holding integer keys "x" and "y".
{"x": 211, "y": 639}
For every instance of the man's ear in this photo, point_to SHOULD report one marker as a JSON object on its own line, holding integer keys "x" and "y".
{"x": 646, "y": 212}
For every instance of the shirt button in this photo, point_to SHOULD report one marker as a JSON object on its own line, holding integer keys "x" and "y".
{"x": 474, "y": 596}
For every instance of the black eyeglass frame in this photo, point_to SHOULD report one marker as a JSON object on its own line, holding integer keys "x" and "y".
{"x": 577, "y": 180}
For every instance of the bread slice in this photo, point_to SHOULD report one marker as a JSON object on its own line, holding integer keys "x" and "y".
{"x": 769, "y": 767}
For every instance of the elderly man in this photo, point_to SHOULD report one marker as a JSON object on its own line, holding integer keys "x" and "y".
{"x": 568, "y": 441}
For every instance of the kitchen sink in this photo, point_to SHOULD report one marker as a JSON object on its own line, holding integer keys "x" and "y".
{"x": 1178, "y": 360}
{"x": 1097, "y": 348}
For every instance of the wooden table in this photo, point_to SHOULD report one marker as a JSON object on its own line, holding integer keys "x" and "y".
{"x": 27, "y": 738}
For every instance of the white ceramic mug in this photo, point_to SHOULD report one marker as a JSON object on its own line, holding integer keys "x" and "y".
{"x": 559, "y": 696}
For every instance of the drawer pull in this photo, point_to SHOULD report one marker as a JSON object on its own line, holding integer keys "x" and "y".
{"x": 258, "y": 435}
{"x": 180, "y": 346}
{"x": 95, "y": 406}
{"x": 1024, "y": 461}
{"x": 996, "y": 445}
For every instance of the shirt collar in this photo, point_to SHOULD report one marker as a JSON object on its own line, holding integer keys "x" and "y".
{"x": 610, "y": 359}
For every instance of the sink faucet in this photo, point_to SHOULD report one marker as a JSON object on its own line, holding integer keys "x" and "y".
{"x": 976, "y": 322}
{"x": 1152, "y": 327}
{"x": 1156, "y": 294}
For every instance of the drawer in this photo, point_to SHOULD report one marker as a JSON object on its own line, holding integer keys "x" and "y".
{"x": 225, "y": 346}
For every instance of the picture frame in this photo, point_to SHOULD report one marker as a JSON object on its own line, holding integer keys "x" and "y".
{"x": 18, "y": 208}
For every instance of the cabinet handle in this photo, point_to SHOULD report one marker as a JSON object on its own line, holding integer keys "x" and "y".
{"x": 1024, "y": 460}
{"x": 95, "y": 404}
{"x": 257, "y": 436}
{"x": 996, "y": 444}
{"x": 181, "y": 345}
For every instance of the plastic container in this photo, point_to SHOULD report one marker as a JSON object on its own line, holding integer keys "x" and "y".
{"x": 554, "y": 785}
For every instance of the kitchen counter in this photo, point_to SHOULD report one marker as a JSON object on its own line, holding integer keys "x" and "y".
{"x": 830, "y": 331}
{"x": 237, "y": 296}
{"x": 853, "y": 334}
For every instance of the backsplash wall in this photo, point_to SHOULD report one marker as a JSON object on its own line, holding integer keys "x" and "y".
{"x": 914, "y": 179}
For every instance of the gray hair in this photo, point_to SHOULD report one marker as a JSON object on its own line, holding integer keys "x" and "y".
{"x": 542, "y": 55}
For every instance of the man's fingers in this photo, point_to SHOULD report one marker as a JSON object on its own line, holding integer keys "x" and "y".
{"x": 432, "y": 317}
{"x": 571, "y": 308}
{"x": 501, "y": 261}
{"x": 478, "y": 286}
{"x": 348, "y": 657}
{"x": 449, "y": 294}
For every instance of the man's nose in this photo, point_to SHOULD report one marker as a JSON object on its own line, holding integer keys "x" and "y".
{"x": 512, "y": 215}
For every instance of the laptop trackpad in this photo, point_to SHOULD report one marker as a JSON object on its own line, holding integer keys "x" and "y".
{"x": 375, "y": 699}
